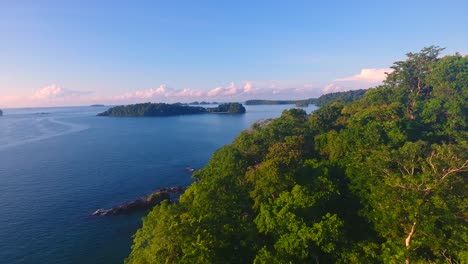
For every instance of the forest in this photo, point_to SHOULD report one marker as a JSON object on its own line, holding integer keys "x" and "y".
{"x": 347, "y": 96}
{"x": 162, "y": 109}
{"x": 381, "y": 179}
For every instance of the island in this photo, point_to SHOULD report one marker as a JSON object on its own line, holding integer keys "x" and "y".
{"x": 1, "y": 112}
{"x": 302, "y": 104}
{"x": 97, "y": 105}
{"x": 201, "y": 103}
{"x": 278, "y": 102}
{"x": 228, "y": 108}
{"x": 163, "y": 109}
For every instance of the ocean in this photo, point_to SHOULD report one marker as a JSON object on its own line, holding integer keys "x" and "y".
{"x": 58, "y": 165}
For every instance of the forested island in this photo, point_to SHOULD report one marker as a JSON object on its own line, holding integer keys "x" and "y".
{"x": 381, "y": 179}
{"x": 162, "y": 109}
{"x": 278, "y": 102}
{"x": 201, "y": 103}
{"x": 347, "y": 96}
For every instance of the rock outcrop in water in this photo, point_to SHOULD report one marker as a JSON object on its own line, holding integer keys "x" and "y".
{"x": 142, "y": 204}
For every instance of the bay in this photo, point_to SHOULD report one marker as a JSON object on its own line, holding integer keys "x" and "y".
{"x": 58, "y": 165}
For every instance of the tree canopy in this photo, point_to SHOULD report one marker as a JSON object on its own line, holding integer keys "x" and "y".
{"x": 347, "y": 96}
{"x": 162, "y": 109}
{"x": 381, "y": 179}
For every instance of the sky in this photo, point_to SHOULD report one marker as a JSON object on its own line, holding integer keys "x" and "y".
{"x": 64, "y": 53}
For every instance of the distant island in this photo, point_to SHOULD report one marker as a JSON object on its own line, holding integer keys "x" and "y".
{"x": 1, "y": 112}
{"x": 97, "y": 105}
{"x": 201, "y": 103}
{"x": 302, "y": 104}
{"x": 278, "y": 102}
{"x": 162, "y": 109}
{"x": 347, "y": 96}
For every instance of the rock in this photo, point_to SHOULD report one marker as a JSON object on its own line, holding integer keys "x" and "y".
{"x": 141, "y": 204}
{"x": 190, "y": 169}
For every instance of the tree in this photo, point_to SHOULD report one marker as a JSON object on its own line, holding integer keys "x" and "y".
{"x": 410, "y": 77}
{"x": 380, "y": 179}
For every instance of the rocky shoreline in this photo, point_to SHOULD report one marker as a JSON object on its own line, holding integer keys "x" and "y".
{"x": 142, "y": 204}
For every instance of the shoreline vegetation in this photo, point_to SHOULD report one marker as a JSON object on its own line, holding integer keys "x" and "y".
{"x": 380, "y": 179}
{"x": 162, "y": 109}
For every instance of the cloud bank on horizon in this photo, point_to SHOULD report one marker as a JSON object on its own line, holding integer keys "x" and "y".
{"x": 365, "y": 79}
{"x": 54, "y": 91}
{"x": 54, "y": 95}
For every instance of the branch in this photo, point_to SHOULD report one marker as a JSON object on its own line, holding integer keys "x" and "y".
{"x": 410, "y": 235}
{"x": 463, "y": 167}
{"x": 430, "y": 162}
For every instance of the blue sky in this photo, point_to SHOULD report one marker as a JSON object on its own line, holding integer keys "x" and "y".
{"x": 80, "y": 52}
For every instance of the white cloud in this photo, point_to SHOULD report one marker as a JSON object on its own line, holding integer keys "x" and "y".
{"x": 48, "y": 91}
{"x": 247, "y": 87}
{"x": 231, "y": 92}
{"x": 53, "y": 91}
{"x": 188, "y": 92}
{"x": 367, "y": 78}
{"x": 161, "y": 90}
{"x": 54, "y": 95}
{"x": 215, "y": 91}
{"x": 51, "y": 95}
{"x": 231, "y": 89}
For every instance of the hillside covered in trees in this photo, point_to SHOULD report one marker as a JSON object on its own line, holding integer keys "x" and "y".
{"x": 381, "y": 179}
{"x": 162, "y": 109}
{"x": 347, "y": 96}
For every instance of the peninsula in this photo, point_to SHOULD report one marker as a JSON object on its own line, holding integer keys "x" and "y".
{"x": 162, "y": 109}
{"x": 347, "y": 96}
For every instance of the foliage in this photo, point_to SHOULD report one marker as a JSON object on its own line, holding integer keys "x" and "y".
{"x": 230, "y": 108}
{"x": 347, "y": 96}
{"x": 302, "y": 104}
{"x": 150, "y": 109}
{"x": 162, "y": 109}
{"x": 381, "y": 179}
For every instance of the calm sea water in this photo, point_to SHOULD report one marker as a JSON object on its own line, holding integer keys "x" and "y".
{"x": 58, "y": 165}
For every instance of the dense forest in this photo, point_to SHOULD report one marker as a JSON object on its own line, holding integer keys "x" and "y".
{"x": 162, "y": 109}
{"x": 229, "y": 108}
{"x": 202, "y": 103}
{"x": 347, "y": 96}
{"x": 381, "y": 179}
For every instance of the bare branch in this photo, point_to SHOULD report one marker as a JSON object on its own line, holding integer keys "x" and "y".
{"x": 463, "y": 167}
{"x": 410, "y": 236}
